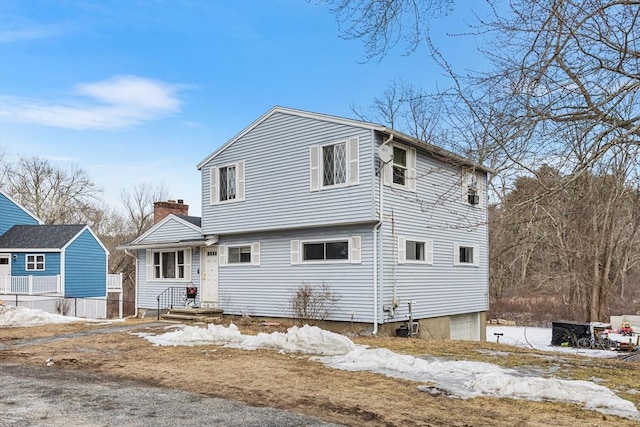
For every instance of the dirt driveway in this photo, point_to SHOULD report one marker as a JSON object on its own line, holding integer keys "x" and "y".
{"x": 47, "y": 396}
{"x": 106, "y": 369}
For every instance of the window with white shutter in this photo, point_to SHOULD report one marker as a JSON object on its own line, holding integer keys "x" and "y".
{"x": 239, "y": 254}
{"x": 412, "y": 251}
{"x": 336, "y": 164}
{"x": 401, "y": 170}
{"x": 227, "y": 183}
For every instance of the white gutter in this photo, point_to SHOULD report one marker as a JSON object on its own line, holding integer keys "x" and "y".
{"x": 376, "y": 228}
{"x": 135, "y": 313}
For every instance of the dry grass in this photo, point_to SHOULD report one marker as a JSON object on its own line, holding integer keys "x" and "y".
{"x": 291, "y": 381}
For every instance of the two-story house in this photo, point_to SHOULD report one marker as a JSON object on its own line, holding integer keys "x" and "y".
{"x": 56, "y": 268}
{"x": 378, "y": 217}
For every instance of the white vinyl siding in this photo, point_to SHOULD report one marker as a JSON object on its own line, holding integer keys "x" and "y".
{"x": 239, "y": 254}
{"x": 415, "y": 251}
{"x": 334, "y": 165}
{"x": 267, "y": 290}
{"x": 466, "y": 254}
{"x": 400, "y": 172}
{"x": 282, "y": 174}
{"x": 227, "y": 183}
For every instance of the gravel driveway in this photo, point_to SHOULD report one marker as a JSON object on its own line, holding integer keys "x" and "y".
{"x": 55, "y": 397}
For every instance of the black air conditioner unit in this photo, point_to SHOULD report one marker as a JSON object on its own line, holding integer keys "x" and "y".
{"x": 474, "y": 199}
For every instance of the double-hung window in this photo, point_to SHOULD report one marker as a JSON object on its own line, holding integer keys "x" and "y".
{"x": 35, "y": 262}
{"x": 334, "y": 164}
{"x": 400, "y": 171}
{"x": 399, "y": 166}
{"x": 472, "y": 188}
{"x": 169, "y": 265}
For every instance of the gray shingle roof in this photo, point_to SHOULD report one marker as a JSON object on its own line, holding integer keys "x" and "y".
{"x": 195, "y": 220}
{"x": 39, "y": 236}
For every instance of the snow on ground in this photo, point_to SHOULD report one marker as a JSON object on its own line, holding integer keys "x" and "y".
{"x": 538, "y": 339}
{"x": 23, "y": 316}
{"x": 462, "y": 379}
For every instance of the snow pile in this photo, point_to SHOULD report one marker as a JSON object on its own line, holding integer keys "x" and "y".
{"x": 466, "y": 379}
{"x": 462, "y": 379}
{"x": 23, "y": 316}
{"x": 538, "y": 339}
{"x": 308, "y": 339}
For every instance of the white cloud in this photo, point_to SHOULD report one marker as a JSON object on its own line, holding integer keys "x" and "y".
{"x": 119, "y": 102}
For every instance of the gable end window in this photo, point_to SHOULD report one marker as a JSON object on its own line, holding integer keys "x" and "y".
{"x": 472, "y": 193}
{"x": 466, "y": 255}
{"x": 334, "y": 165}
{"x": 35, "y": 262}
{"x": 226, "y": 183}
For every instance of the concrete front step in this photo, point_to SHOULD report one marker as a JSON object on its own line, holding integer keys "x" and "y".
{"x": 192, "y": 314}
{"x": 210, "y": 312}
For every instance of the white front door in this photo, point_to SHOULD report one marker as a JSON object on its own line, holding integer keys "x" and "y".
{"x": 209, "y": 276}
{"x": 5, "y": 272}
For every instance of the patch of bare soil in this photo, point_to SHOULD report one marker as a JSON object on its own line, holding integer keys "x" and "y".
{"x": 292, "y": 381}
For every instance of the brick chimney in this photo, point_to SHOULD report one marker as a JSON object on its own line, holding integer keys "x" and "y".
{"x": 163, "y": 209}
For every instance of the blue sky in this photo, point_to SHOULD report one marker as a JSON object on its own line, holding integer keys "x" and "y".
{"x": 139, "y": 91}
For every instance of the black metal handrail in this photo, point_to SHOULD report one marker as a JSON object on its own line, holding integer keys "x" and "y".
{"x": 175, "y": 296}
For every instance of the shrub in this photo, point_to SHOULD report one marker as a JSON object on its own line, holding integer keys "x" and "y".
{"x": 311, "y": 304}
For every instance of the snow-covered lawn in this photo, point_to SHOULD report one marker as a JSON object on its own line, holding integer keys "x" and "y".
{"x": 461, "y": 379}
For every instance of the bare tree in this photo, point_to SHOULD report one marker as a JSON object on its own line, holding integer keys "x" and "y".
{"x": 54, "y": 194}
{"x": 4, "y": 166}
{"x": 383, "y": 24}
{"x": 138, "y": 204}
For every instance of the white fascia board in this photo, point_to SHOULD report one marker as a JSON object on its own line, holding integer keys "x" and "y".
{"x": 163, "y": 245}
{"x": 161, "y": 223}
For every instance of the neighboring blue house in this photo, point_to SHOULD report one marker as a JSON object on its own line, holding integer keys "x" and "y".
{"x": 381, "y": 218}
{"x": 68, "y": 261}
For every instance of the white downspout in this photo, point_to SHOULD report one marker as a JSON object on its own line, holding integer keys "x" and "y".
{"x": 376, "y": 228}
{"x": 135, "y": 313}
